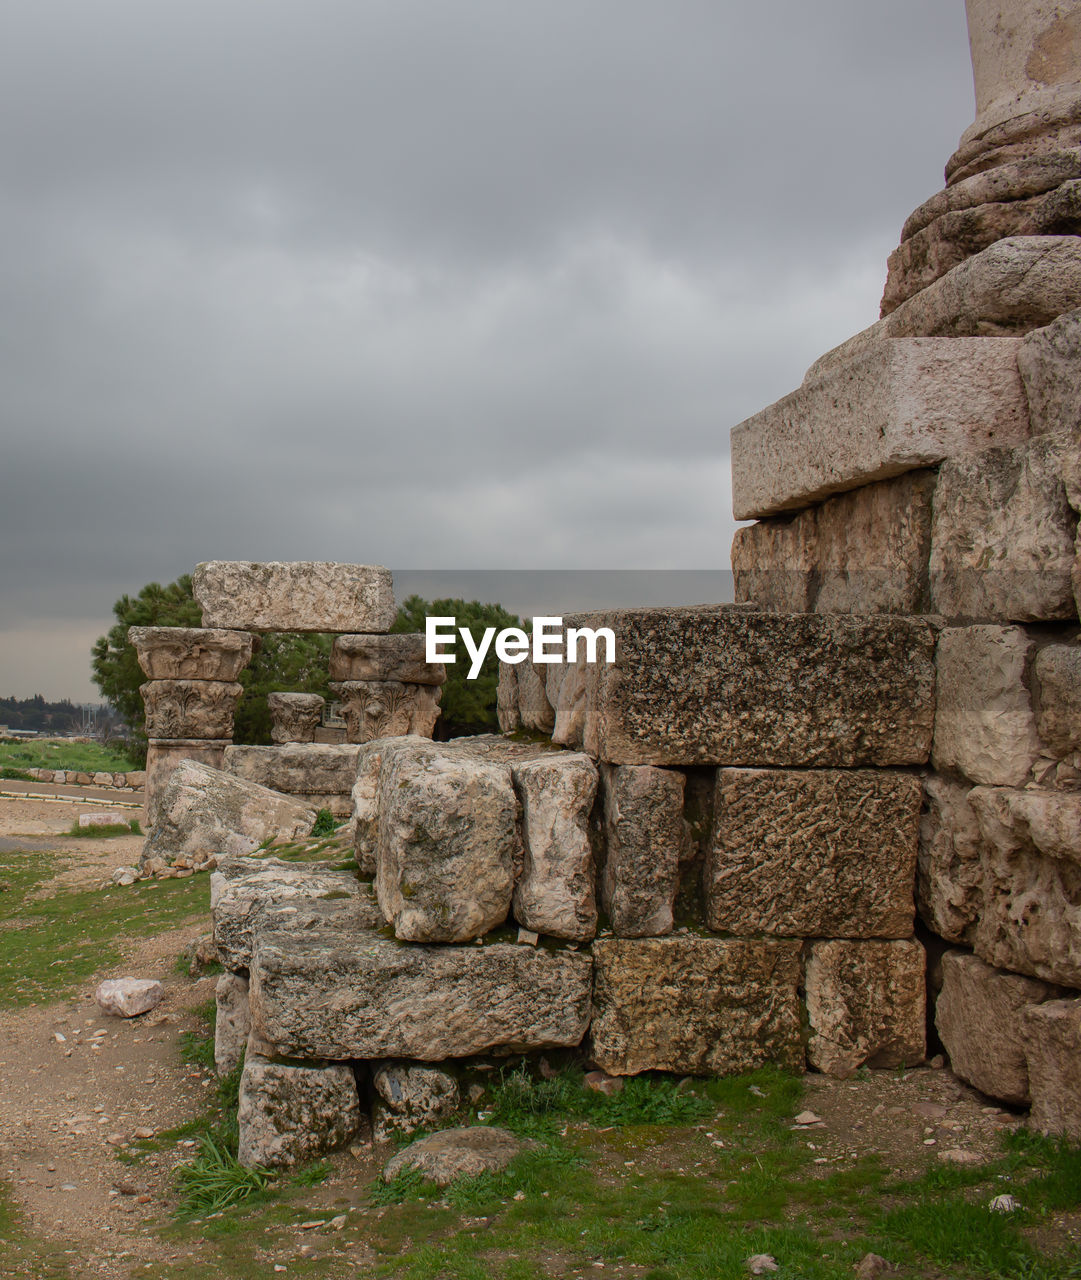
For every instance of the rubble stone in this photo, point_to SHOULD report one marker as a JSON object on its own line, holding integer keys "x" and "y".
{"x": 457, "y": 1153}
{"x": 866, "y": 1003}
{"x": 128, "y": 997}
{"x": 294, "y": 717}
{"x": 327, "y": 996}
{"x": 1050, "y": 363}
{"x": 813, "y": 853}
{"x": 292, "y": 1112}
{"x": 294, "y": 596}
{"x": 387, "y": 708}
{"x": 411, "y": 1096}
{"x": 192, "y": 653}
{"x": 949, "y": 883}
{"x": 699, "y": 1005}
{"x": 1052, "y": 1039}
{"x": 644, "y": 837}
{"x": 190, "y": 708}
{"x": 384, "y": 657}
{"x": 1058, "y": 678}
{"x": 232, "y": 1022}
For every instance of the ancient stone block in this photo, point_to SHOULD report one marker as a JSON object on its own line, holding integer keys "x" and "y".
{"x": 1052, "y": 1040}
{"x": 325, "y": 996}
{"x": 387, "y": 708}
{"x": 866, "y": 1003}
{"x": 294, "y": 717}
{"x": 1031, "y": 853}
{"x": 773, "y": 562}
{"x": 190, "y": 708}
{"x": 555, "y": 893}
{"x": 163, "y": 758}
{"x": 507, "y": 712}
{"x": 644, "y": 839}
{"x": 985, "y": 726}
{"x": 707, "y": 1006}
{"x": 240, "y": 904}
{"x": 1058, "y": 680}
{"x": 192, "y": 653}
{"x": 384, "y": 657}
{"x": 294, "y": 596}
{"x": 813, "y": 853}
{"x": 366, "y": 806}
{"x": 232, "y": 1022}
{"x": 291, "y": 1112}
{"x": 1002, "y": 541}
{"x": 729, "y": 686}
{"x": 296, "y": 768}
{"x": 523, "y": 697}
{"x": 1050, "y": 363}
{"x": 908, "y": 403}
{"x": 979, "y": 1015}
{"x": 410, "y": 1096}
{"x": 949, "y": 890}
{"x": 205, "y": 813}
{"x": 447, "y": 843}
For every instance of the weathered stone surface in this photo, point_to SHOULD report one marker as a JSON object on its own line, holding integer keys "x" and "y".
{"x": 985, "y": 726}
{"x": 203, "y": 812}
{"x": 103, "y": 818}
{"x": 366, "y": 806}
{"x": 555, "y": 893}
{"x": 866, "y": 1003}
{"x": 190, "y": 708}
{"x": 813, "y": 853}
{"x": 730, "y": 686}
{"x": 302, "y": 595}
{"x": 1031, "y": 919}
{"x": 1052, "y": 1040}
{"x": 232, "y": 1022}
{"x": 128, "y": 997}
{"x": 325, "y": 996}
{"x": 1002, "y": 541}
{"x": 290, "y": 1113}
{"x": 773, "y": 562}
{"x": 699, "y": 1005}
{"x": 1058, "y": 681}
{"x": 410, "y": 1096}
{"x": 979, "y": 1015}
{"x": 507, "y": 712}
{"x": 948, "y": 878}
{"x": 192, "y": 653}
{"x": 294, "y": 717}
{"x": 240, "y": 904}
{"x": 907, "y": 403}
{"x": 163, "y": 758}
{"x": 387, "y": 708}
{"x": 644, "y": 838}
{"x": 1050, "y": 364}
{"x": 447, "y": 842}
{"x": 457, "y": 1153}
{"x": 296, "y": 768}
{"x": 385, "y": 657}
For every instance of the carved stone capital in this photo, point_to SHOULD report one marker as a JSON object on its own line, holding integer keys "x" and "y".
{"x": 192, "y": 653}
{"x": 190, "y": 708}
{"x": 387, "y": 708}
{"x": 384, "y": 657}
{"x": 294, "y": 717}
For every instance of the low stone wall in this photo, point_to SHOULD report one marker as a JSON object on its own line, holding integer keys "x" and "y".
{"x": 133, "y": 781}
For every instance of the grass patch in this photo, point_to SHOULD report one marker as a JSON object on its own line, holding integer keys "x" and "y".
{"x": 106, "y": 831}
{"x": 325, "y": 823}
{"x": 215, "y": 1180}
{"x": 15, "y": 775}
{"x": 47, "y": 753}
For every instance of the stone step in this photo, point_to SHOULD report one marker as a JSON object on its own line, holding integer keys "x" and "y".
{"x": 906, "y": 403}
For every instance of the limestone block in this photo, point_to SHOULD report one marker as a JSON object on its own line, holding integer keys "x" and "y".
{"x": 949, "y": 880}
{"x": 507, "y": 712}
{"x": 980, "y": 1016}
{"x": 325, "y": 996}
{"x": 707, "y": 1006}
{"x": 385, "y": 657}
{"x": 985, "y": 726}
{"x": 866, "y": 1003}
{"x": 813, "y": 853}
{"x": 240, "y": 904}
{"x": 773, "y": 562}
{"x": 1052, "y": 1039}
{"x": 205, "y": 813}
{"x": 192, "y": 653}
{"x": 294, "y": 596}
{"x": 555, "y": 893}
{"x": 190, "y": 708}
{"x": 296, "y": 768}
{"x": 1058, "y": 680}
{"x": 1031, "y": 919}
{"x": 387, "y": 708}
{"x": 365, "y": 798}
{"x": 232, "y": 1022}
{"x": 164, "y": 757}
{"x": 907, "y": 403}
{"x": 290, "y": 1112}
{"x": 523, "y": 697}
{"x": 644, "y": 837}
{"x": 717, "y": 685}
{"x": 1049, "y": 360}
{"x": 1002, "y": 541}
{"x": 128, "y": 997}
{"x": 410, "y": 1096}
{"x": 294, "y": 717}
{"x": 458, "y": 1153}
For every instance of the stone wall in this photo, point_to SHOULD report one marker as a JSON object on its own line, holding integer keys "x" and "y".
{"x": 133, "y": 781}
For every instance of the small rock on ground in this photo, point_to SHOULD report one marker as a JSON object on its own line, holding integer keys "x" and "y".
{"x": 128, "y": 997}
{"x": 457, "y": 1153}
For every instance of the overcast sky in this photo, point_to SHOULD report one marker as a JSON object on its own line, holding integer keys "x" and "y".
{"x": 461, "y": 284}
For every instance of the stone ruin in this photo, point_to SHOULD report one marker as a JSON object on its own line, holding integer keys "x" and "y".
{"x": 710, "y": 854}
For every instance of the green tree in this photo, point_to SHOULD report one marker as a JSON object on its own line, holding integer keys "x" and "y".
{"x": 468, "y": 706}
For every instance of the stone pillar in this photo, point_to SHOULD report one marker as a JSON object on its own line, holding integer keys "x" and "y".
{"x": 190, "y": 696}
{"x": 294, "y": 717}
{"x": 386, "y": 686}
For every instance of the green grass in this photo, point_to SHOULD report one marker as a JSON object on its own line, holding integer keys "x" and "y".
{"x": 107, "y": 831}
{"x": 48, "y": 753}
{"x": 15, "y": 775}
{"x": 22, "y": 1255}
{"x": 214, "y": 1180}
{"x": 325, "y": 823}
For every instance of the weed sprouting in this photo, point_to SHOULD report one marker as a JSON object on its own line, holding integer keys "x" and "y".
{"x": 215, "y": 1179}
